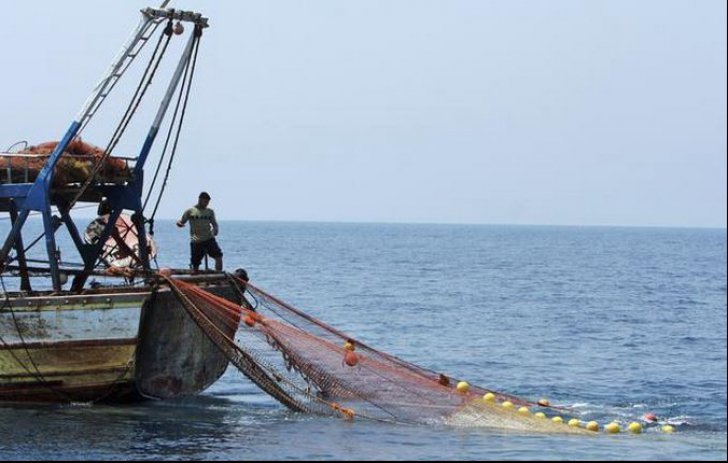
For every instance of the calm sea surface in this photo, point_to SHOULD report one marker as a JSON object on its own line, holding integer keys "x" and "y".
{"x": 612, "y": 321}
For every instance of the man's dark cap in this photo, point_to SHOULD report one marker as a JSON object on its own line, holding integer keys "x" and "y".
{"x": 204, "y": 195}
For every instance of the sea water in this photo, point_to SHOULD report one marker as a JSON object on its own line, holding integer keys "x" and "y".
{"x": 612, "y": 322}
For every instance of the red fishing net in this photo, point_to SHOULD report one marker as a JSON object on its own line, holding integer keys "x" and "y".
{"x": 310, "y": 366}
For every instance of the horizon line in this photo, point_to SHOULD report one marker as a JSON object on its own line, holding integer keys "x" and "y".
{"x": 497, "y": 224}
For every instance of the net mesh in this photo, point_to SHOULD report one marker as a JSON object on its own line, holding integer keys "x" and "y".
{"x": 310, "y": 366}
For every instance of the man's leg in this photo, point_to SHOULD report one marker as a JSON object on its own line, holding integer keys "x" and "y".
{"x": 196, "y": 252}
{"x": 214, "y": 251}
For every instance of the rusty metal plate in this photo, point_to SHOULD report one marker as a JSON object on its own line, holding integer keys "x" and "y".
{"x": 174, "y": 357}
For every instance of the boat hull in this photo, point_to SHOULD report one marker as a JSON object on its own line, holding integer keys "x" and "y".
{"x": 109, "y": 345}
{"x": 174, "y": 358}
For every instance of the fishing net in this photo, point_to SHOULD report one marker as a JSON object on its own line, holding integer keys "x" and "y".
{"x": 75, "y": 166}
{"x": 312, "y": 367}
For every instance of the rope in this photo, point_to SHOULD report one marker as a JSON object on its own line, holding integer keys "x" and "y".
{"x": 260, "y": 377}
{"x": 198, "y": 34}
{"x": 57, "y": 225}
{"x": 167, "y": 139}
{"x": 216, "y": 335}
{"x": 402, "y": 363}
{"x": 131, "y": 109}
{"x": 143, "y": 44}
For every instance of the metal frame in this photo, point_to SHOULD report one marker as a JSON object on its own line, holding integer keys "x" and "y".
{"x": 36, "y": 196}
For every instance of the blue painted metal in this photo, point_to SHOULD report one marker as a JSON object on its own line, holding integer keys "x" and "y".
{"x": 39, "y": 195}
{"x": 130, "y": 195}
{"x": 15, "y": 190}
{"x": 135, "y": 192}
{"x": 143, "y": 154}
{"x": 37, "y": 198}
{"x": 22, "y": 262}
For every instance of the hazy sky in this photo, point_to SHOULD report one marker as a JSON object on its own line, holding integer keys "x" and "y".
{"x": 452, "y": 111}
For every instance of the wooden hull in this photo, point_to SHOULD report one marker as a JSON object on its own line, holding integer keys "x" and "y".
{"x": 114, "y": 345}
{"x": 67, "y": 371}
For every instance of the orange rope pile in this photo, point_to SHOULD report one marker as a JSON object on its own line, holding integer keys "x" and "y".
{"x": 75, "y": 165}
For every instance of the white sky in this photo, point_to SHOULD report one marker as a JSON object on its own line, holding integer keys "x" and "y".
{"x": 510, "y": 112}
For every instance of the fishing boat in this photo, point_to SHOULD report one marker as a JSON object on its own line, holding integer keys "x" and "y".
{"x": 112, "y": 327}
{"x": 96, "y": 322}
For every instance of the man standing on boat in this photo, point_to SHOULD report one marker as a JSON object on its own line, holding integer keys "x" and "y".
{"x": 203, "y": 230}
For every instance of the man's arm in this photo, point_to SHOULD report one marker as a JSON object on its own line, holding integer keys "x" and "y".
{"x": 181, "y": 222}
{"x": 213, "y": 222}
